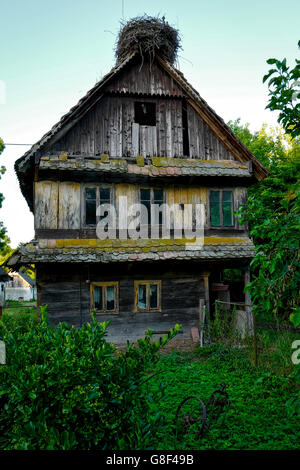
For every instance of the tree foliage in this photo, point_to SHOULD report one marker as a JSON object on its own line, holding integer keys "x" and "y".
{"x": 272, "y": 213}
{"x": 284, "y": 93}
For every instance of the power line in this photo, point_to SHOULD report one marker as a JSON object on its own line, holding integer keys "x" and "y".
{"x": 17, "y": 144}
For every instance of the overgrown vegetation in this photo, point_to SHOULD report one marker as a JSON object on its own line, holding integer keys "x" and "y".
{"x": 257, "y": 418}
{"x": 273, "y": 215}
{"x": 69, "y": 389}
{"x": 64, "y": 388}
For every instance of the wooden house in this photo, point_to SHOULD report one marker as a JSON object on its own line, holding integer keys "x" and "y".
{"x": 19, "y": 286}
{"x": 145, "y": 133}
{"x": 3, "y": 279}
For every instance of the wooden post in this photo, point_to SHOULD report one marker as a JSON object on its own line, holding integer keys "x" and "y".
{"x": 248, "y": 308}
{"x": 254, "y": 340}
{"x": 206, "y": 287}
{"x": 201, "y": 320}
{"x": 38, "y": 301}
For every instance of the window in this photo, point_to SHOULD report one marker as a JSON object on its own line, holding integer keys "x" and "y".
{"x": 147, "y": 296}
{"x": 104, "y": 297}
{"x": 221, "y": 212}
{"x": 145, "y": 113}
{"x": 94, "y": 197}
{"x": 150, "y": 196}
{"x": 185, "y": 131}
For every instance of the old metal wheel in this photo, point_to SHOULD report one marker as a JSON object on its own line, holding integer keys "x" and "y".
{"x": 191, "y": 416}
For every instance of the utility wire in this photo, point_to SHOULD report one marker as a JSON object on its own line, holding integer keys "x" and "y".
{"x": 17, "y": 144}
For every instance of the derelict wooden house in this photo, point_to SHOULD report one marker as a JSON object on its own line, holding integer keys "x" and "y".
{"x": 145, "y": 133}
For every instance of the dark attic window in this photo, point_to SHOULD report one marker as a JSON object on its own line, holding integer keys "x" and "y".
{"x": 145, "y": 113}
{"x": 185, "y": 131}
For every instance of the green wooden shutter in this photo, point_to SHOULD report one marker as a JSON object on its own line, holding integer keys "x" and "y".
{"x": 214, "y": 203}
{"x": 227, "y": 208}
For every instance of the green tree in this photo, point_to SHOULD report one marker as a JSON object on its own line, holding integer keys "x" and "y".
{"x": 272, "y": 213}
{"x": 284, "y": 93}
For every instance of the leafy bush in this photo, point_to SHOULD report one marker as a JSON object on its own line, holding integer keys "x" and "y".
{"x": 64, "y": 388}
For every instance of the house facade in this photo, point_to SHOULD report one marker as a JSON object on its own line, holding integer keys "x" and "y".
{"x": 141, "y": 135}
{"x": 19, "y": 286}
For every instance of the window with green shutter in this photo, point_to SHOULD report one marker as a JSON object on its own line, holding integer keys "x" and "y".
{"x": 221, "y": 208}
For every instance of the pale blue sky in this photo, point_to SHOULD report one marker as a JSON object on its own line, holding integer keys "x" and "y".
{"x": 53, "y": 51}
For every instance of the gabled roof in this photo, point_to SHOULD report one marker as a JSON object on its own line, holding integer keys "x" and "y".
{"x": 27, "y": 278}
{"x": 25, "y": 164}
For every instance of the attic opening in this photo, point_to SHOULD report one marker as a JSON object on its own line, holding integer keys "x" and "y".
{"x": 185, "y": 131}
{"x": 145, "y": 113}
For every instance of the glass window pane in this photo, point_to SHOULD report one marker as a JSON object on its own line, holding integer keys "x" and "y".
{"x": 215, "y": 218}
{"x": 153, "y": 296}
{"x": 227, "y": 214}
{"x": 104, "y": 195}
{"x": 227, "y": 196}
{"x": 145, "y": 194}
{"x": 90, "y": 206}
{"x": 158, "y": 196}
{"x": 215, "y": 196}
{"x": 98, "y": 297}
{"x": 146, "y": 201}
{"x": 90, "y": 193}
{"x": 142, "y": 299}
{"x": 110, "y": 298}
{"x": 227, "y": 208}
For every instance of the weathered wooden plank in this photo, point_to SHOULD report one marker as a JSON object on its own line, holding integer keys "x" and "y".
{"x": 46, "y": 205}
{"x": 146, "y": 80}
{"x": 69, "y": 205}
{"x": 135, "y": 139}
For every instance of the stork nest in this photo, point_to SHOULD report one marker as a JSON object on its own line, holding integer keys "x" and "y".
{"x": 148, "y": 36}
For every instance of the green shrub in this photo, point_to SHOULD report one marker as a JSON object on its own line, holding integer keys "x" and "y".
{"x": 64, "y": 388}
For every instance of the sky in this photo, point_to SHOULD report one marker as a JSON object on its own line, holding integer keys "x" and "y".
{"x": 53, "y": 51}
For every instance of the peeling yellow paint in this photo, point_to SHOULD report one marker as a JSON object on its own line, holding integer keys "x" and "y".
{"x": 104, "y": 158}
{"x": 140, "y": 160}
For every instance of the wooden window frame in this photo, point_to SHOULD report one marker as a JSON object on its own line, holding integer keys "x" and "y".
{"x": 152, "y": 188}
{"x": 221, "y": 226}
{"x": 105, "y": 284}
{"x": 136, "y": 292}
{"x": 97, "y": 187}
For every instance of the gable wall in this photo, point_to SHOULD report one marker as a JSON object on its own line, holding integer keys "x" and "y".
{"x": 108, "y": 127}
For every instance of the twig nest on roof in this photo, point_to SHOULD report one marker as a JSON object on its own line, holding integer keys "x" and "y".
{"x": 148, "y": 36}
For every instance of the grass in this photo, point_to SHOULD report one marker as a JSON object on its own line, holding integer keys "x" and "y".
{"x": 257, "y": 417}
{"x": 16, "y": 309}
{"x": 22, "y": 314}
